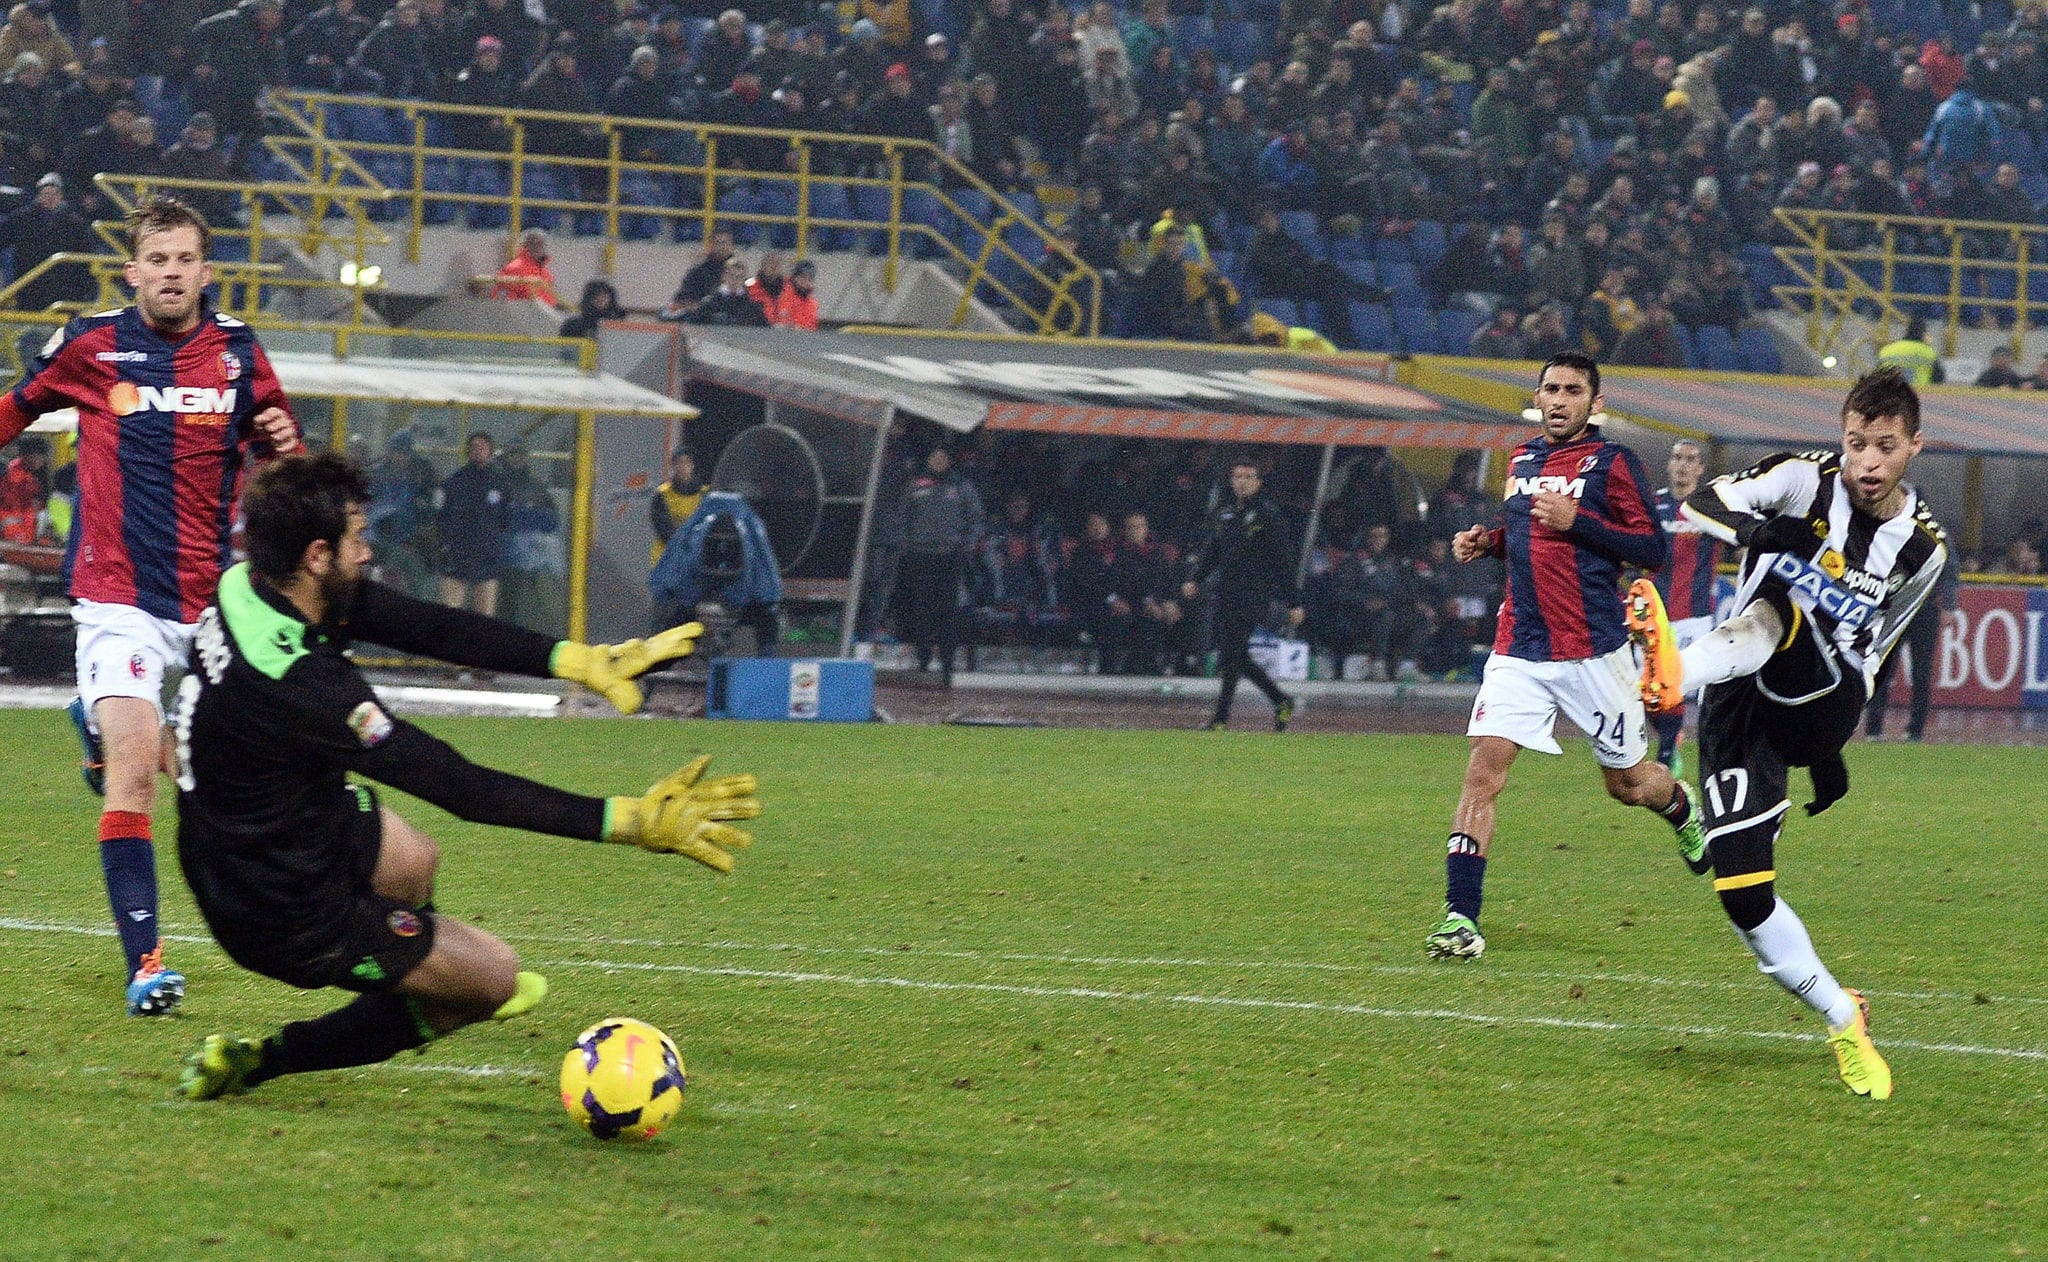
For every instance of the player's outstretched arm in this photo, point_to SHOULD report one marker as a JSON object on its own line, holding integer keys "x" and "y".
{"x": 610, "y": 669}
{"x": 685, "y": 813}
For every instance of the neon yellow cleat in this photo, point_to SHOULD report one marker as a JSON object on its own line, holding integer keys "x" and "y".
{"x": 1863, "y": 1070}
{"x": 1663, "y": 684}
{"x": 527, "y": 993}
{"x": 221, "y": 1066}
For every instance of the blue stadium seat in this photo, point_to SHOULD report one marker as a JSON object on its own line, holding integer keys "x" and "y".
{"x": 1393, "y": 250}
{"x": 1374, "y": 325}
{"x": 1687, "y": 345}
{"x": 638, "y": 188}
{"x": 1429, "y": 243}
{"x": 1756, "y": 351}
{"x": 778, "y": 198}
{"x": 1191, "y": 33}
{"x": 922, "y": 208}
{"x": 1418, "y": 330}
{"x": 538, "y": 180}
{"x": 830, "y": 201}
{"x": 978, "y": 209}
{"x": 1456, "y": 325}
{"x": 483, "y": 179}
{"x": 739, "y": 198}
{"x": 1281, "y": 309}
{"x": 1356, "y": 248}
{"x": 1361, "y": 271}
{"x": 871, "y": 205}
{"x": 1716, "y": 348}
{"x": 1302, "y": 226}
{"x": 1405, "y": 279}
{"x": 365, "y": 122}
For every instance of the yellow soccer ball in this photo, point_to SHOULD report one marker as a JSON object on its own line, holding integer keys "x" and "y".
{"x": 623, "y": 1079}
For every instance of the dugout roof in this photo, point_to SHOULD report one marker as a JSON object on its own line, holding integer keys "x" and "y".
{"x": 1757, "y": 409}
{"x": 445, "y": 383}
{"x": 1094, "y": 388}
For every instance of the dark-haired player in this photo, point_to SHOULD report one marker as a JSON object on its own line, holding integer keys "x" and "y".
{"x": 302, "y": 876}
{"x": 172, "y": 398}
{"x": 1577, "y": 512}
{"x": 1841, "y": 554}
{"x": 1687, "y": 580}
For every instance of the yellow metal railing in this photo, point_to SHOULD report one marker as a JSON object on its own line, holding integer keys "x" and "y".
{"x": 1858, "y": 278}
{"x": 925, "y": 192}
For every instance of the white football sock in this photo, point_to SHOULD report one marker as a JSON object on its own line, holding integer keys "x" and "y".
{"x": 1785, "y": 954}
{"x": 1739, "y": 646}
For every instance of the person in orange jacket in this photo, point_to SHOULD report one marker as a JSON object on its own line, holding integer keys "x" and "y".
{"x": 528, "y": 275}
{"x": 798, "y": 306}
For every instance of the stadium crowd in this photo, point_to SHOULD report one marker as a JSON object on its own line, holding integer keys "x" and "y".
{"x": 1550, "y": 172}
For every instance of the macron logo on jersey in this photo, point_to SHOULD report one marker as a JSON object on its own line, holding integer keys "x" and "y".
{"x": 1553, "y": 482}
{"x": 126, "y": 399}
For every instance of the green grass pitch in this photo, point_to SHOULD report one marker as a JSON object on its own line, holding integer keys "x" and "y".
{"x": 1045, "y": 994}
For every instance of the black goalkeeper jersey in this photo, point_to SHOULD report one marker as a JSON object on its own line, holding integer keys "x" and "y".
{"x": 273, "y": 717}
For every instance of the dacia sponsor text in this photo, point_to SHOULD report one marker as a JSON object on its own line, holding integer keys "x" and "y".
{"x": 1851, "y": 609}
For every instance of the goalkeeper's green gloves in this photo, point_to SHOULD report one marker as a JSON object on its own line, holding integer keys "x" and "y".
{"x": 610, "y": 669}
{"x": 683, "y": 815}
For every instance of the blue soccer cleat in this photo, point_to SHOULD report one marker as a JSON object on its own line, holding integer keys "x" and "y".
{"x": 155, "y": 990}
{"x": 94, "y": 768}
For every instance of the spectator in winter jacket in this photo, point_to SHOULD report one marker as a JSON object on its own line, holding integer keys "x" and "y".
{"x": 527, "y": 274}
{"x": 1963, "y": 129}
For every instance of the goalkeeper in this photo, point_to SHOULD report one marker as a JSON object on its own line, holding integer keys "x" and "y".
{"x": 303, "y": 876}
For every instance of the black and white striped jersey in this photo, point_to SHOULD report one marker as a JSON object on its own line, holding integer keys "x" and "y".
{"x": 1865, "y": 577}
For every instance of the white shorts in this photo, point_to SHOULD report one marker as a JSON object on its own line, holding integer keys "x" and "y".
{"x": 124, "y": 652}
{"x": 1519, "y": 701}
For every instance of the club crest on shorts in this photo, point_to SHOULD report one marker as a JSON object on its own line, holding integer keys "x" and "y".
{"x": 370, "y": 724}
{"x": 404, "y": 923}
{"x": 136, "y": 666}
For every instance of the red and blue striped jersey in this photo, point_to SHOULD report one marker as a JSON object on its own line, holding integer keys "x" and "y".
{"x": 1563, "y": 599}
{"x": 163, "y": 428}
{"x": 1687, "y": 580}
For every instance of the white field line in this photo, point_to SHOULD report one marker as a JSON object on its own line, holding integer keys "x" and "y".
{"x": 1149, "y": 996}
{"x": 1284, "y": 1005}
{"x": 1100, "y": 961}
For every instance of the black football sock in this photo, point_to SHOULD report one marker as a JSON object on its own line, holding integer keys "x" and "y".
{"x": 1464, "y": 877}
{"x": 374, "y": 1028}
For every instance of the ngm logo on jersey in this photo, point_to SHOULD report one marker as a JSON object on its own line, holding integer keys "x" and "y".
{"x": 1993, "y": 652}
{"x": 198, "y": 405}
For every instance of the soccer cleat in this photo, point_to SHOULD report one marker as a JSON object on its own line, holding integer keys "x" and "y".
{"x": 155, "y": 991}
{"x": 1863, "y": 1070}
{"x": 1457, "y": 938}
{"x": 527, "y": 993}
{"x": 1663, "y": 685}
{"x": 221, "y": 1066}
{"x": 94, "y": 766}
{"x": 1692, "y": 836}
{"x": 1283, "y": 714}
